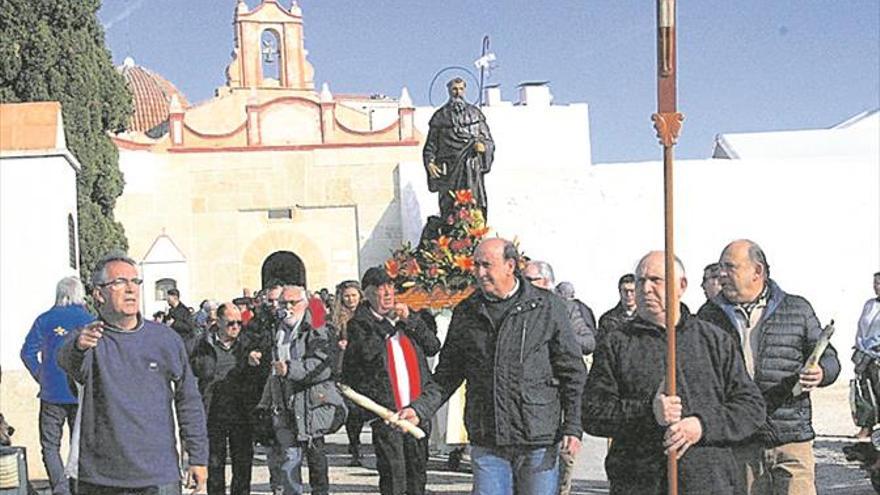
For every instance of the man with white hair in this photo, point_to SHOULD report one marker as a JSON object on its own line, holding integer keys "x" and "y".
{"x": 716, "y": 406}
{"x": 305, "y": 402}
{"x": 57, "y": 401}
{"x": 137, "y": 383}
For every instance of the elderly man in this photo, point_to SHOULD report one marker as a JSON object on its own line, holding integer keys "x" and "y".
{"x": 514, "y": 345}
{"x": 57, "y": 403}
{"x": 226, "y": 382}
{"x": 717, "y": 404}
{"x": 303, "y": 396}
{"x": 459, "y": 150}
{"x": 625, "y": 310}
{"x": 777, "y": 332}
{"x": 386, "y": 359}
{"x": 540, "y": 274}
{"x": 135, "y": 376}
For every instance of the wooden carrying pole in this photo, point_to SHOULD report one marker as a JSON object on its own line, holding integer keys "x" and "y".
{"x": 667, "y": 122}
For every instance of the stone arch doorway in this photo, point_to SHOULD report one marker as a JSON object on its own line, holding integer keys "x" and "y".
{"x": 283, "y": 266}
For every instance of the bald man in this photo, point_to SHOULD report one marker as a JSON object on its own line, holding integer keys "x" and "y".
{"x": 777, "y": 332}
{"x": 717, "y": 404}
{"x": 514, "y": 345}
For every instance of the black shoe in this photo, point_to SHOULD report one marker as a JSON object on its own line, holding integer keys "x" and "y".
{"x": 454, "y": 461}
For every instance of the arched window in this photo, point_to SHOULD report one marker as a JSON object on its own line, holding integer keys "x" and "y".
{"x": 271, "y": 59}
{"x": 71, "y": 241}
{"x": 163, "y": 285}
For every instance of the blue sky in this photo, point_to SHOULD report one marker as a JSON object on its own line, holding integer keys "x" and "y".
{"x": 745, "y": 65}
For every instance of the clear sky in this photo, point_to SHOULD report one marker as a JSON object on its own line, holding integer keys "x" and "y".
{"x": 744, "y": 65}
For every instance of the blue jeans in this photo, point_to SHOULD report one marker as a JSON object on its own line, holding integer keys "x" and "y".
{"x": 515, "y": 470}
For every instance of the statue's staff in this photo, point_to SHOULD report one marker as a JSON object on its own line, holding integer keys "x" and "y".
{"x": 667, "y": 122}
{"x": 381, "y": 411}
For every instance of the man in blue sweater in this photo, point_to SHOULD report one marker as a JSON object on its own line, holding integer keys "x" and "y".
{"x": 132, "y": 372}
{"x": 57, "y": 402}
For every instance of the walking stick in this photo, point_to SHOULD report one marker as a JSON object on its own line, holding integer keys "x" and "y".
{"x": 667, "y": 122}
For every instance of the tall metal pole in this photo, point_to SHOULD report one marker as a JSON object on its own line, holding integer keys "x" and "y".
{"x": 667, "y": 122}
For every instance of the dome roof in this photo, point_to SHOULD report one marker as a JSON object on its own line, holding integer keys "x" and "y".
{"x": 152, "y": 96}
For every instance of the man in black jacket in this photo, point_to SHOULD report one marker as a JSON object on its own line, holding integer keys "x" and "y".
{"x": 625, "y": 310}
{"x": 386, "y": 361}
{"x": 226, "y": 383}
{"x": 716, "y": 402}
{"x": 777, "y": 332}
{"x": 514, "y": 345}
{"x": 181, "y": 319}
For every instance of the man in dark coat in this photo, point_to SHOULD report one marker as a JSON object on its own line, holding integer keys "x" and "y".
{"x": 304, "y": 399}
{"x": 625, "y": 310}
{"x": 717, "y": 404}
{"x": 777, "y": 332}
{"x": 514, "y": 345}
{"x": 386, "y": 361}
{"x": 181, "y": 319}
{"x": 226, "y": 382}
{"x": 458, "y": 150}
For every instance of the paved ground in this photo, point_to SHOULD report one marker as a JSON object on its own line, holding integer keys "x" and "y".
{"x": 834, "y": 475}
{"x": 831, "y": 418}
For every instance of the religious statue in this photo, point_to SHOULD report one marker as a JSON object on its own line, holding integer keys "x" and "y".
{"x": 459, "y": 150}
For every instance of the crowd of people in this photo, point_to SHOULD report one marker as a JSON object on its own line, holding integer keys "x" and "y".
{"x": 539, "y": 372}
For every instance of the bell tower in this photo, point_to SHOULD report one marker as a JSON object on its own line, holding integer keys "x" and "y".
{"x": 269, "y": 50}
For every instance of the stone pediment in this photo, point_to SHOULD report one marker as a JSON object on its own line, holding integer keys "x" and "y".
{"x": 163, "y": 250}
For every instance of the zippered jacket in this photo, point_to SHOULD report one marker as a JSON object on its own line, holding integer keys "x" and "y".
{"x": 524, "y": 380}
{"x": 788, "y": 331}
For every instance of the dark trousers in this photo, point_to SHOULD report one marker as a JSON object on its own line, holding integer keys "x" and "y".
{"x": 401, "y": 460}
{"x": 52, "y": 419}
{"x": 84, "y": 488}
{"x": 241, "y": 448}
{"x": 292, "y": 452}
{"x": 354, "y": 423}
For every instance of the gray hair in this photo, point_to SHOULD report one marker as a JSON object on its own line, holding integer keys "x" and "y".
{"x": 756, "y": 255}
{"x": 99, "y": 274}
{"x": 69, "y": 291}
{"x": 565, "y": 290}
{"x": 545, "y": 270}
{"x": 679, "y": 266}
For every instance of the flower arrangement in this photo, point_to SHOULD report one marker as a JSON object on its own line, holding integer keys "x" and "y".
{"x": 445, "y": 262}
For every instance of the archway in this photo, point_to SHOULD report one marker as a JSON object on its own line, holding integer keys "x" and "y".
{"x": 284, "y": 267}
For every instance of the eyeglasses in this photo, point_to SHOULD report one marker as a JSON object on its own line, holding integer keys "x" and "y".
{"x": 232, "y": 323}
{"x": 120, "y": 283}
{"x": 291, "y": 304}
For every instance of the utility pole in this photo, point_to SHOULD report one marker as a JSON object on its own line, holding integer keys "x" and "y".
{"x": 667, "y": 122}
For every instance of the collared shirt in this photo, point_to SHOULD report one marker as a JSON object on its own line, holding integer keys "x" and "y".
{"x": 868, "y": 336}
{"x": 748, "y": 315}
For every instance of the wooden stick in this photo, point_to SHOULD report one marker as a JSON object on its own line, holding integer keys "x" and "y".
{"x": 381, "y": 411}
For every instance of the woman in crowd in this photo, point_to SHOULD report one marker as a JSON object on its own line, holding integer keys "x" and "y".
{"x": 348, "y": 296}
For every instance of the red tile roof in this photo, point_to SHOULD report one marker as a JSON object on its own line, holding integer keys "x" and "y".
{"x": 152, "y": 96}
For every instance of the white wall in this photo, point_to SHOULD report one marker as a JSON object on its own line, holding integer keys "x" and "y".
{"x": 818, "y": 219}
{"x": 36, "y": 196}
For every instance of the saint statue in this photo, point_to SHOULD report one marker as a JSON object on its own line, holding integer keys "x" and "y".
{"x": 459, "y": 150}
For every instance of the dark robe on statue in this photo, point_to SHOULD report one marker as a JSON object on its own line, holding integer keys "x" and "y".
{"x": 454, "y": 129}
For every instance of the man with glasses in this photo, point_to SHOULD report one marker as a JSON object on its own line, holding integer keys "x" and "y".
{"x": 304, "y": 400}
{"x": 135, "y": 376}
{"x": 220, "y": 363}
{"x": 625, "y": 311}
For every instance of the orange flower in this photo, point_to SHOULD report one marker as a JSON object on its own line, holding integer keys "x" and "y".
{"x": 478, "y": 232}
{"x": 411, "y": 268}
{"x": 463, "y": 262}
{"x": 464, "y": 197}
{"x": 443, "y": 242}
{"x": 392, "y": 268}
